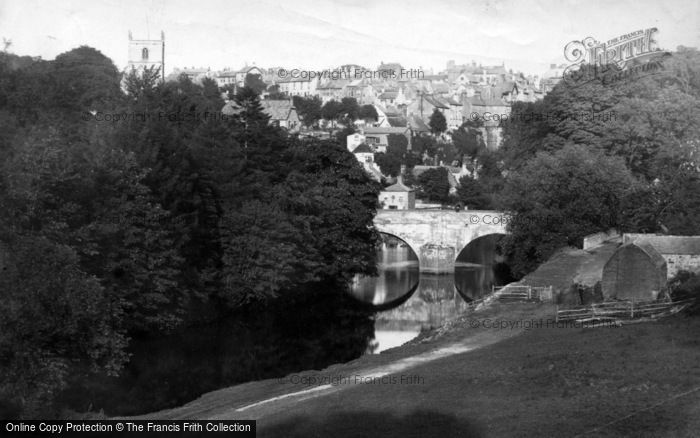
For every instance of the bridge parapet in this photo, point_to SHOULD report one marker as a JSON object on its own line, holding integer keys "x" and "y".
{"x": 438, "y": 236}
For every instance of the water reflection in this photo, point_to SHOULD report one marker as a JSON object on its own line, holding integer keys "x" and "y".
{"x": 398, "y": 276}
{"x": 409, "y": 302}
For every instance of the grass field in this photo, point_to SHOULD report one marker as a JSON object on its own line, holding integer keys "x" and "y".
{"x": 637, "y": 380}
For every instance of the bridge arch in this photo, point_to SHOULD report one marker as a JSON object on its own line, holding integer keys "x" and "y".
{"x": 398, "y": 276}
{"x": 395, "y": 236}
{"x": 439, "y": 236}
{"x": 481, "y": 263}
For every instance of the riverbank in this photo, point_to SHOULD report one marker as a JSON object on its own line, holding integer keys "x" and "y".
{"x": 501, "y": 372}
{"x": 458, "y": 336}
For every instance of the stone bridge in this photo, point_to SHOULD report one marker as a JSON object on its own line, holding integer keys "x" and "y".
{"x": 438, "y": 236}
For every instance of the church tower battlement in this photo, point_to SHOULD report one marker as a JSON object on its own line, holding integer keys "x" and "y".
{"x": 146, "y": 54}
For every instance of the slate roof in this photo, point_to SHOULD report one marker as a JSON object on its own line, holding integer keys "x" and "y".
{"x": 489, "y": 101}
{"x": 441, "y": 88}
{"x": 248, "y": 68}
{"x": 277, "y": 109}
{"x": 398, "y": 187}
{"x": 418, "y": 125}
{"x": 389, "y": 130}
{"x": 362, "y": 149}
{"x": 667, "y": 244}
{"x": 387, "y": 95}
{"x": 230, "y": 108}
{"x": 436, "y": 102}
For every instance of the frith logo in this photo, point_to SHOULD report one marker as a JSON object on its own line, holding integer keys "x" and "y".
{"x": 628, "y": 55}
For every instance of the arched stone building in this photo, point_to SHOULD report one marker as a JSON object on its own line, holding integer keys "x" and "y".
{"x": 636, "y": 271}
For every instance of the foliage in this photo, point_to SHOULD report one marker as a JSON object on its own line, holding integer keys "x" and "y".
{"x": 686, "y": 286}
{"x": 308, "y": 230}
{"x": 424, "y": 145}
{"x": 471, "y": 194}
{"x": 437, "y": 123}
{"x": 389, "y": 164}
{"x": 309, "y": 109}
{"x": 172, "y": 216}
{"x": 558, "y": 198}
{"x": 468, "y": 139}
{"x": 434, "y": 185}
{"x": 255, "y": 82}
{"x": 368, "y": 113}
{"x": 54, "y": 316}
{"x": 398, "y": 145}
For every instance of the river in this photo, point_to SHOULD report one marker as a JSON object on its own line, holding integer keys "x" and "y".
{"x": 408, "y": 301}
{"x": 309, "y": 329}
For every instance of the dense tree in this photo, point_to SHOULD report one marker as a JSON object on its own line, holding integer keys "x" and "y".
{"x": 558, "y": 198}
{"x": 398, "y": 145}
{"x": 85, "y": 80}
{"x": 332, "y": 111}
{"x": 55, "y": 317}
{"x": 350, "y": 110}
{"x": 368, "y": 113}
{"x": 437, "y": 123}
{"x": 135, "y": 223}
{"x": 468, "y": 139}
{"x": 309, "y": 109}
{"x": 308, "y": 230}
{"x": 472, "y": 194}
{"x": 434, "y": 185}
{"x": 423, "y": 145}
{"x": 255, "y": 83}
{"x": 389, "y": 164}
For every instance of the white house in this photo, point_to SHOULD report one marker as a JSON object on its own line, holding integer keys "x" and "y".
{"x": 397, "y": 197}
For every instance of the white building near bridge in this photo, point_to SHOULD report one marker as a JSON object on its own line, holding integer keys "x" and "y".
{"x": 397, "y": 197}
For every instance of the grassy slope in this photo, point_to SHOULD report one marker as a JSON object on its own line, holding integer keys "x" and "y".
{"x": 546, "y": 382}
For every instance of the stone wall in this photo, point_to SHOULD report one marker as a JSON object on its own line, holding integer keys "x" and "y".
{"x": 682, "y": 262}
{"x": 680, "y": 252}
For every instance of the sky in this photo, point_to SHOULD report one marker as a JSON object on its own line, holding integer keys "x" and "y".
{"x": 525, "y": 35}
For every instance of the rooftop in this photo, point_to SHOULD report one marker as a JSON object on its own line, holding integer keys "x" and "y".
{"x": 398, "y": 187}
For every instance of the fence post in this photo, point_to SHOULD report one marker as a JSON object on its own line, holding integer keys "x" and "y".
{"x": 632, "y": 309}
{"x": 556, "y": 309}
{"x": 529, "y": 293}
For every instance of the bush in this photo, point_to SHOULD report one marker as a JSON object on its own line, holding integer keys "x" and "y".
{"x": 686, "y": 285}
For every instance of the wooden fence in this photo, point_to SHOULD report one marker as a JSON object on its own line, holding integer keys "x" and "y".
{"x": 619, "y": 310}
{"x": 524, "y": 293}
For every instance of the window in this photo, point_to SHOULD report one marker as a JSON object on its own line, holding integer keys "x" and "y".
{"x": 144, "y": 54}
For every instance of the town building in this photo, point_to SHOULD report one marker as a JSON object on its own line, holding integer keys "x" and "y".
{"x": 304, "y": 87}
{"x": 354, "y": 140}
{"x": 397, "y": 197}
{"x": 282, "y": 113}
{"x": 681, "y": 253}
{"x": 378, "y": 138}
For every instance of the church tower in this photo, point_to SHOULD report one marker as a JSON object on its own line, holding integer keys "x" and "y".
{"x": 147, "y": 53}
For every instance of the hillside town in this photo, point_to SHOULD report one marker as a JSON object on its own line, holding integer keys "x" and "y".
{"x": 358, "y": 219}
{"x": 400, "y": 101}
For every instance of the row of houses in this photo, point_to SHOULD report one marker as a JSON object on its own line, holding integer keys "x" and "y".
{"x": 460, "y": 93}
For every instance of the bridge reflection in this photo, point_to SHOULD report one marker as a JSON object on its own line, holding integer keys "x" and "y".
{"x": 408, "y": 301}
